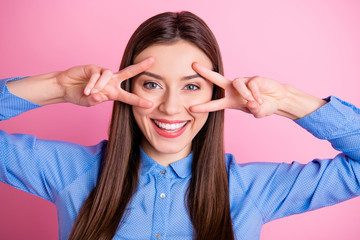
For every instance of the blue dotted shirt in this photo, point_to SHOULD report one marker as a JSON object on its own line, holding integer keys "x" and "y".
{"x": 65, "y": 173}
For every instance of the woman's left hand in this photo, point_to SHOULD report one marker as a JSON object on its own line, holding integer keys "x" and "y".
{"x": 256, "y": 95}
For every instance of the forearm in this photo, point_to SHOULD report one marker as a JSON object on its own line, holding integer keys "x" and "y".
{"x": 41, "y": 89}
{"x": 298, "y": 104}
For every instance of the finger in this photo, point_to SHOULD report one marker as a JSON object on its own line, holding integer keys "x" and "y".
{"x": 212, "y": 106}
{"x": 134, "y": 70}
{"x": 254, "y": 88}
{"x": 134, "y": 100}
{"x": 254, "y": 108}
{"x": 102, "y": 81}
{"x": 96, "y": 98}
{"x": 210, "y": 75}
{"x": 95, "y": 74}
{"x": 90, "y": 100}
{"x": 240, "y": 85}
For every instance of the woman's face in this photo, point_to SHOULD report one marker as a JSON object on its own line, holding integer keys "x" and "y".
{"x": 173, "y": 86}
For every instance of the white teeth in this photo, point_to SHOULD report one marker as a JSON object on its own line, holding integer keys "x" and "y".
{"x": 169, "y": 126}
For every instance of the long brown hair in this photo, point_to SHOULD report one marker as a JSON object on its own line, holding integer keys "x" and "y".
{"x": 207, "y": 196}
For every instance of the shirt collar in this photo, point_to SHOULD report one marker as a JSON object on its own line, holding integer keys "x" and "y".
{"x": 182, "y": 167}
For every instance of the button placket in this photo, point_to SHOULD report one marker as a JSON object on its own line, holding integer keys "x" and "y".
{"x": 162, "y": 204}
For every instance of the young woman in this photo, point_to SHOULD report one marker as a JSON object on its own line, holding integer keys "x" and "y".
{"x": 163, "y": 173}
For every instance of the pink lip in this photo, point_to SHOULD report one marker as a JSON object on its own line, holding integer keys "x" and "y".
{"x": 169, "y": 134}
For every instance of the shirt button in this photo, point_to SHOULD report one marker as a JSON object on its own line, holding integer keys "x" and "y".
{"x": 163, "y": 172}
{"x": 158, "y": 235}
{"x": 162, "y": 195}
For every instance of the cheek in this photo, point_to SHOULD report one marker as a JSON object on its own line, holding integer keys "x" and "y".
{"x": 154, "y": 96}
{"x": 199, "y": 98}
{"x": 207, "y": 93}
{"x": 204, "y": 95}
{"x": 200, "y": 120}
{"x": 140, "y": 114}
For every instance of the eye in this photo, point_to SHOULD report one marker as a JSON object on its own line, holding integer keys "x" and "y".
{"x": 191, "y": 87}
{"x": 151, "y": 85}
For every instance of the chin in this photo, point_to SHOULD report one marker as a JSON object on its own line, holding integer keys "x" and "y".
{"x": 170, "y": 149}
{"x": 167, "y": 149}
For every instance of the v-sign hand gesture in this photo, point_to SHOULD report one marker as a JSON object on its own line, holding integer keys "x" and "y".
{"x": 90, "y": 84}
{"x": 258, "y": 96}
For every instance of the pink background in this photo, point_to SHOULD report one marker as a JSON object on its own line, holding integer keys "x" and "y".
{"x": 313, "y": 45}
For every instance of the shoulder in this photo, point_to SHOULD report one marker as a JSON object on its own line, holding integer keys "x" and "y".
{"x": 75, "y": 157}
{"x": 45, "y": 148}
{"x": 246, "y": 174}
{"x": 234, "y": 166}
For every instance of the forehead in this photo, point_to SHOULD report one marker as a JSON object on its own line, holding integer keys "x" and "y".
{"x": 175, "y": 58}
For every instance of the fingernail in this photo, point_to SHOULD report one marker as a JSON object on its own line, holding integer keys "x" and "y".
{"x": 87, "y": 92}
{"x": 260, "y": 101}
{"x": 149, "y": 104}
{"x": 193, "y": 109}
{"x": 151, "y": 59}
{"x": 94, "y": 91}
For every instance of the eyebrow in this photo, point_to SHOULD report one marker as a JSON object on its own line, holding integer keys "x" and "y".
{"x": 153, "y": 75}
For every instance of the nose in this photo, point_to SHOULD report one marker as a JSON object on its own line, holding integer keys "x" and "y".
{"x": 171, "y": 103}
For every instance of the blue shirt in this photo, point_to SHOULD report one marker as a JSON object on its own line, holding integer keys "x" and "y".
{"x": 65, "y": 173}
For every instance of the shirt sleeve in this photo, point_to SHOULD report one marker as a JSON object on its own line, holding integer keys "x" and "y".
{"x": 281, "y": 189}
{"x": 40, "y": 167}
{"x": 11, "y": 105}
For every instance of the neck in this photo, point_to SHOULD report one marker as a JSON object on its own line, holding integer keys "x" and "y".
{"x": 164, "y": 158}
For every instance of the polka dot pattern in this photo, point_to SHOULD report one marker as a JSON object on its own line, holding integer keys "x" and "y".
{"x": 65, "y": 173}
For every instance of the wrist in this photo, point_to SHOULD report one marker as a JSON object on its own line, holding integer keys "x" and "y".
{"x": 56, "y": 91}
{"x": 297, "y": 104}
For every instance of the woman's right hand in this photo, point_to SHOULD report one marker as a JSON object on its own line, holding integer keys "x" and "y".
{"x": 90, "y": 84}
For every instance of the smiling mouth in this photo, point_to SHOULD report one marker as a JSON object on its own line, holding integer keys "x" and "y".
{"x": 170, "y": 127}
